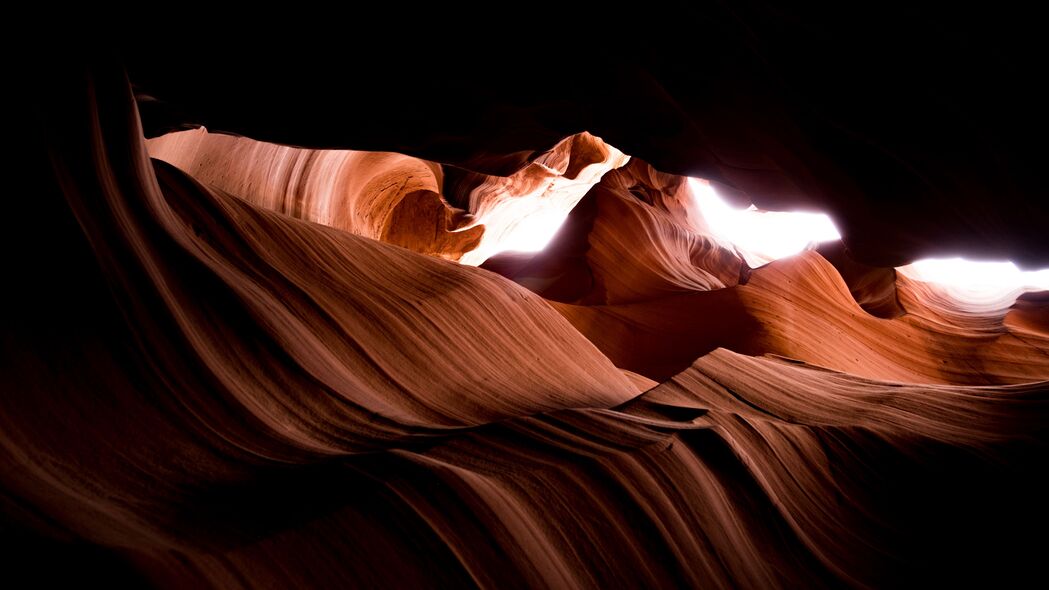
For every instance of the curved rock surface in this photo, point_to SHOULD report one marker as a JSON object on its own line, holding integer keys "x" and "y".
{"x": 218, "y": 374}
{"x": 919, "y": 130}
{"x": 392, "y": 197}
{"x": 654, "y": 309}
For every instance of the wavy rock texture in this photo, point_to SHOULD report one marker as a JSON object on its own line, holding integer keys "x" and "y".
{"x": 930, "y": 145}
{"x": 546, "y": 190}
{"x": 392, "y": 197}
{"x": 226, "y": 379}
{"x": 370, "y": 194}
{"x": 653, "y": 310}
{"x": 595, "y": 258}
{"x": 873, "y": 288}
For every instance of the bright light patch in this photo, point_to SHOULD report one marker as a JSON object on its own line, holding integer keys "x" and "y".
{"x": 977, "y": 282}
{"x": 762, "y": 236}
{"x": 533, "y": 232}
{"x": 523, "y": 212}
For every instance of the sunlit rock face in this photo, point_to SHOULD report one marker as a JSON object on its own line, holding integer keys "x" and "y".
{"x": 396, "y": 198}
{"x": 522, "y": 212}
{"x": 594, "y": 259}
{"x": 249, "y": 364}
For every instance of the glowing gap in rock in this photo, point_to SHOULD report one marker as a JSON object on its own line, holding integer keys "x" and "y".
{"x": 534, "y": 231}
{"x": 977, "y": 282}
{"x": 761, "y": 236}
{"x": 523, "y": 212}
{"x": 523, "y": 224}
{"x": 764, "y": 236}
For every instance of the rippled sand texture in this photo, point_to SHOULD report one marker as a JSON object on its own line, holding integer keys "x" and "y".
{"x": 269, "y": 371}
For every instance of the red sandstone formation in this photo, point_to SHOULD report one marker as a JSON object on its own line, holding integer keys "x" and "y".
{"x": 252, "y": 365}
{"x": 375, "y": 195}
{"x": 392, "y": 197}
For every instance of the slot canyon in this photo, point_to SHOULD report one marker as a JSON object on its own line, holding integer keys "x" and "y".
{"x": 709, "y": 295}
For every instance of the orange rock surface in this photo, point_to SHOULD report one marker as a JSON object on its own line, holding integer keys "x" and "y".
{"x": 253, "y": 365}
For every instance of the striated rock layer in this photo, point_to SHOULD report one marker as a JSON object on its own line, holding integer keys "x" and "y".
{"x": 392, "y": 197}
{"x": 224, "y": 377}
{"x": 653, "y": 310}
